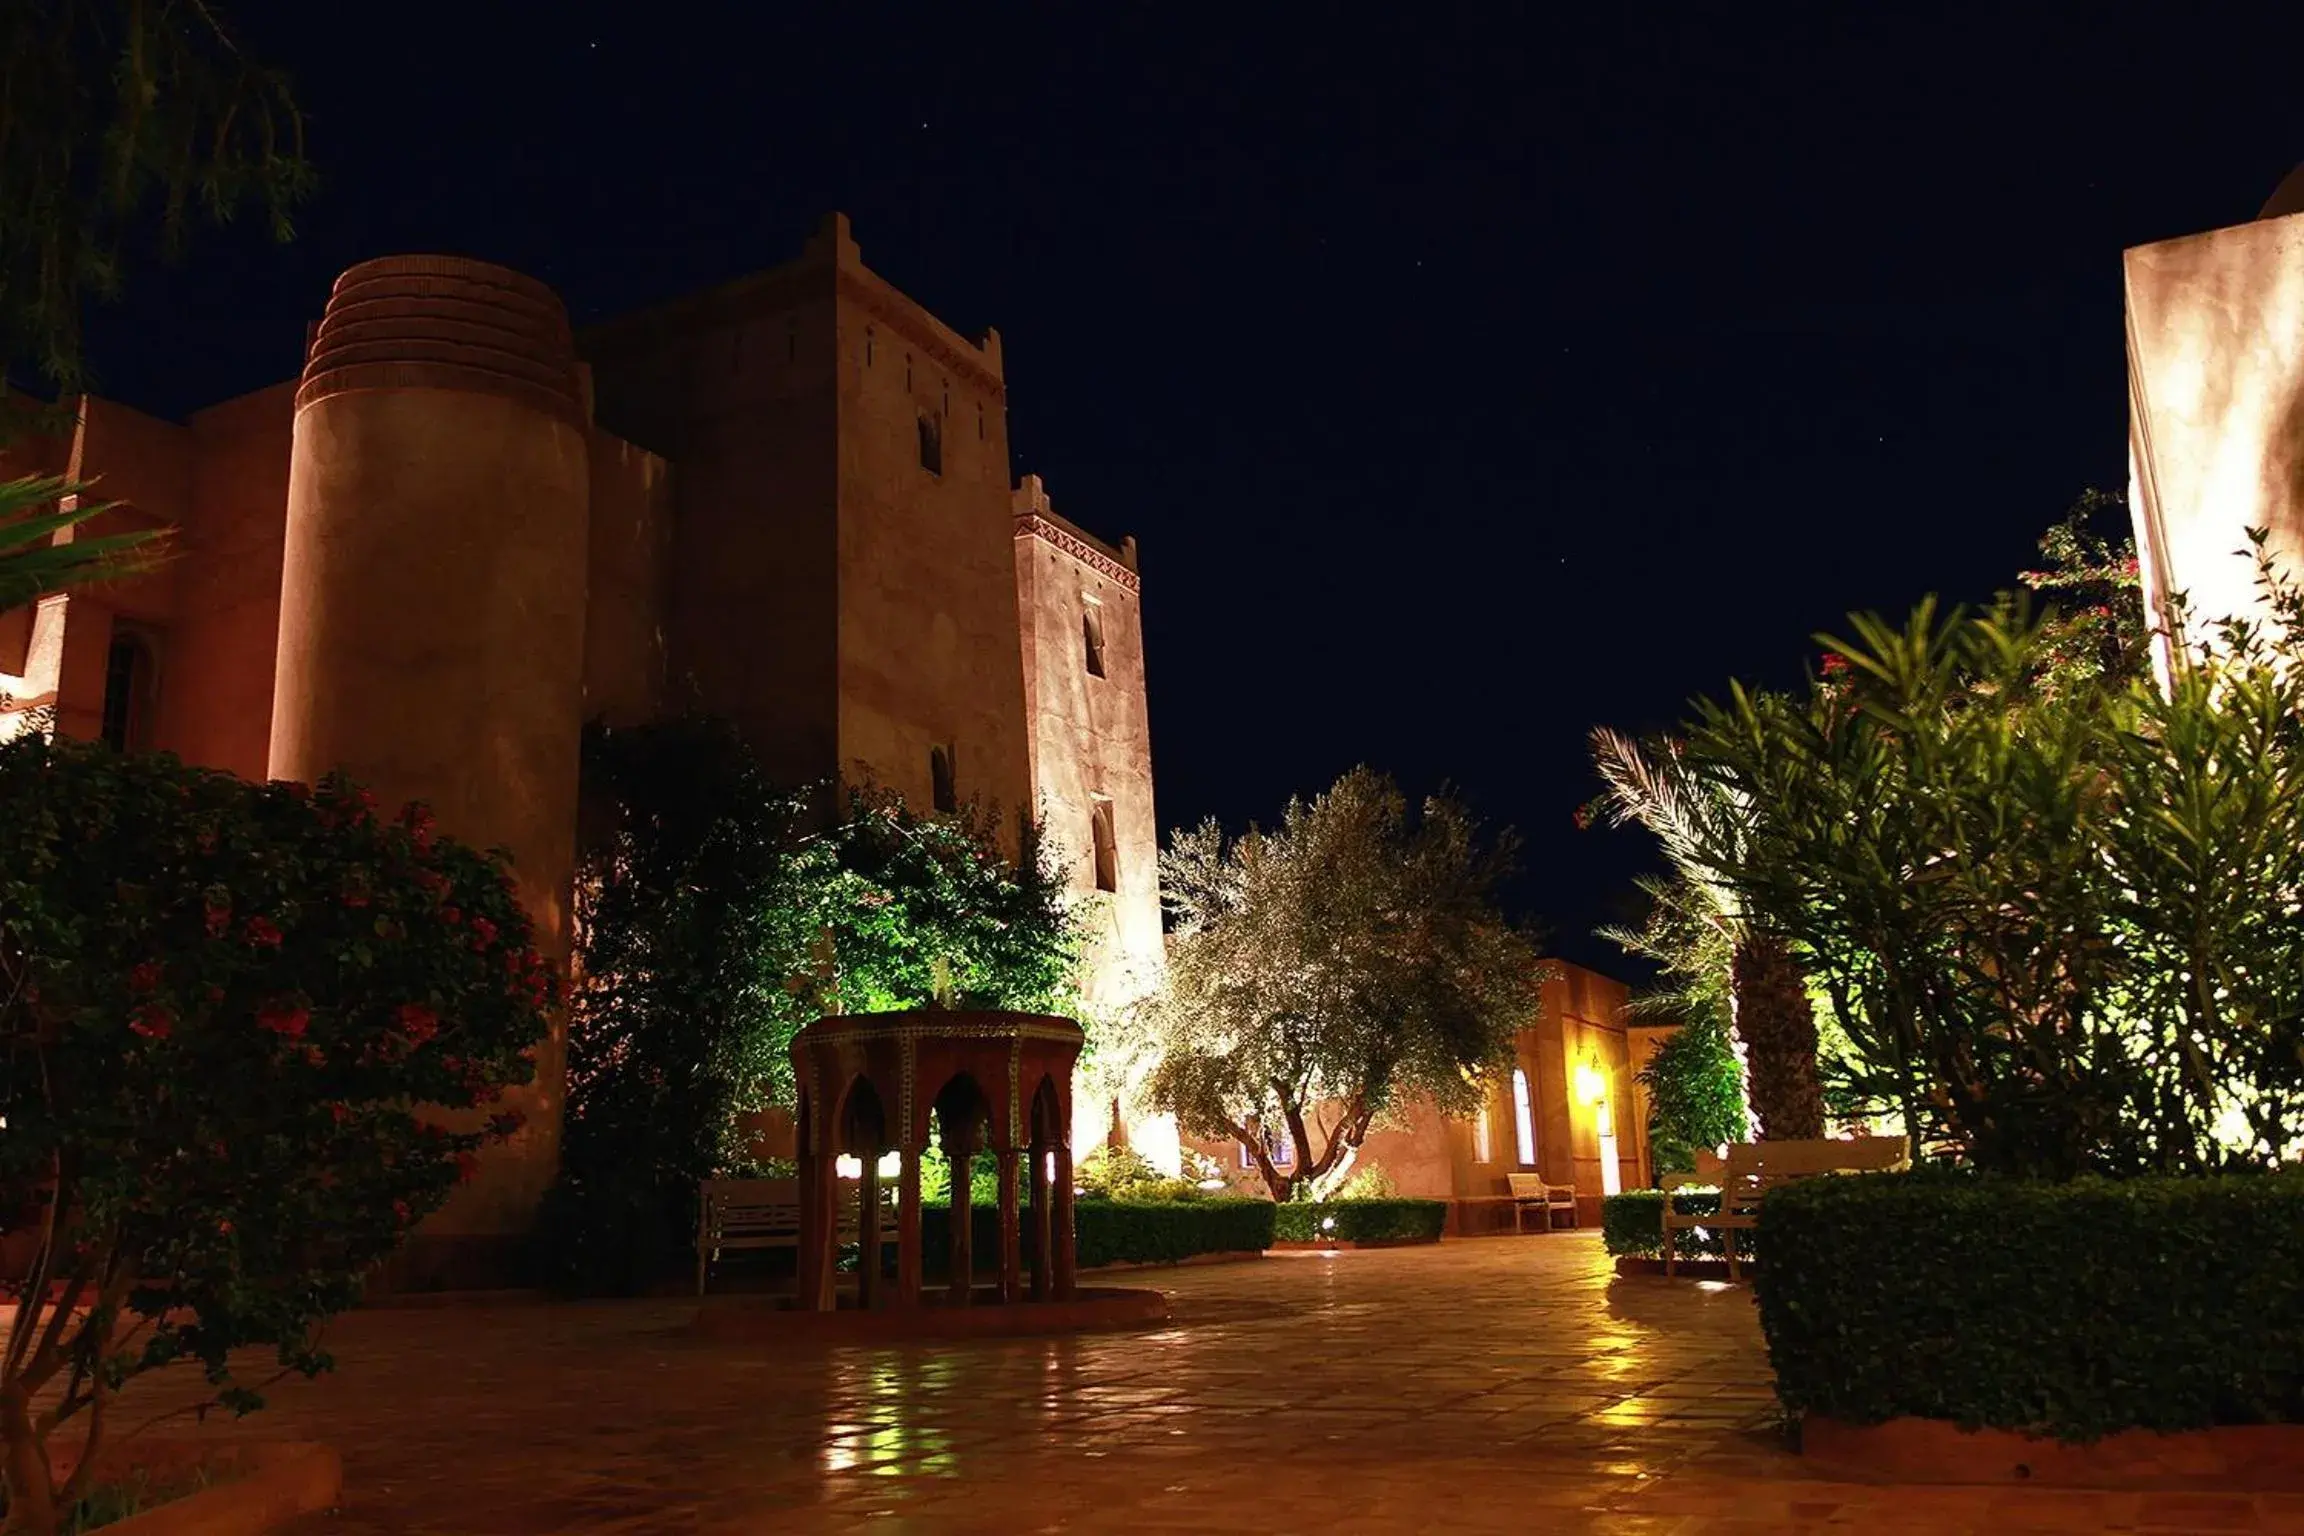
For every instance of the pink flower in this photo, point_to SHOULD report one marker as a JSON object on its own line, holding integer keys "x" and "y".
{"x": 451, "y": 916}
{"x": 339, "y": 1111}
{"x": 401, "y": 1212}
{"x": 144, "y": 977}
{"x": 1834, "y": 663}
{"x": 418, "y": 1023}
{"x": 285, "y": 1019}
{"x": 151, "y": 1021}
{"x": 483, "y": 933}
{"x": 261, "y": 930}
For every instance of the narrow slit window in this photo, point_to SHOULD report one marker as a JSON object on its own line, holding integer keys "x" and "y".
{"x": 1107, "y": 854}
{"x": 979, "y": 423}
{"x": 867, "y": 346}
{"x": 943, "y": 793}
{"x": 1483, "y": 1144}
{"x": 1523, "y": 1120}
{"x": 127, "y": 686}
{"x": 932, "y": 445}
{"x": 1092, "y": 638}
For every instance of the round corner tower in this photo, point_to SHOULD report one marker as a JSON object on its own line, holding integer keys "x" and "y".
{"x": 432, "y": 614}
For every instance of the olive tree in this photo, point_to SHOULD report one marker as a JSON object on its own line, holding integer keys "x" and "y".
{"x": 1326, "y": 970}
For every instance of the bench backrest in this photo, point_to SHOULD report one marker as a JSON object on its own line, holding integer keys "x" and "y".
{"x": 1753, "y": 1166}
{"x": 751, "y": 1207}
{"x": 1529, "y": 1186}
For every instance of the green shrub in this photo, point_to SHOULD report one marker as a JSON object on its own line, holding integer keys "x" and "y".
{"x": 1361, "y": 1221}
{"x": 1632, "y": 1226}
{"x": 1163, "y": 1232}
{"x": 1113, "y": 1232}
{"x": 2072, "y": 1310}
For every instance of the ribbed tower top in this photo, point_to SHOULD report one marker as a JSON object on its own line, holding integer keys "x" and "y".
{"x": 444, "y": 322}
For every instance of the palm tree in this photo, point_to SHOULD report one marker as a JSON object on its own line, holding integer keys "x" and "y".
{"x": 1702, "y": 823}
{"x": 33, "y": 511}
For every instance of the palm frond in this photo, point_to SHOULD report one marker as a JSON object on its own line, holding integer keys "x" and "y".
{"x": 33, "y": 563}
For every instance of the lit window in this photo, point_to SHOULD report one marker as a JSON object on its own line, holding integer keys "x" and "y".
{"x": 1092, "y": 637}
{"x": 1523, "y": 1120}
{"x": 932, "y": 445}
{"x": 943, "y": 793}
{"x": 1483, "y": 1146}
{"x": 1107, "y": 855}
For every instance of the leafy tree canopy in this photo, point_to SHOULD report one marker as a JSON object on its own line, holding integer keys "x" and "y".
{"x": 120, "y": 122}
{"x": 1327, "y": 970}
{"x": 716, "y": 915}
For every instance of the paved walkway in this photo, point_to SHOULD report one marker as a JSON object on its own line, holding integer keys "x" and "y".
{"x": 1500, "y": 1385}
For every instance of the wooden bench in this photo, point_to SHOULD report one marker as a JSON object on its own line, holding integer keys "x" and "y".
{"x": 734, "y": 1214}
{"x": 1755, "y": 1167}
{"x": 1531, "y": 1192}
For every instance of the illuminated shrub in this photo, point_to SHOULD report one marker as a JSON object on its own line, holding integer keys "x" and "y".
{"x": 223, "y": 1005}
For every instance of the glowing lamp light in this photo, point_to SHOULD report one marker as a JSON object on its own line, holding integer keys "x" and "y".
{"x": 848, "y": 1167}
{"x": 891, "y": 1164}
{"x": 1591, "y": 1087}
{"x": 1209, "y": 1184}
{"x": 1327, "y": 1223}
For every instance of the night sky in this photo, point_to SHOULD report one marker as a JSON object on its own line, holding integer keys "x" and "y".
{"x": 1467, "y": 381}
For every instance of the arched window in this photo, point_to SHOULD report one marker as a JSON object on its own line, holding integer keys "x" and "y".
{"x": 932, "y": 445}
{"x": 1092, "y": 636}
{"x": 1107, "y": 854}
{"x": 127, "y": 693}
{"x": 1523, "y": 1120}
{"x": 943, "y": 793}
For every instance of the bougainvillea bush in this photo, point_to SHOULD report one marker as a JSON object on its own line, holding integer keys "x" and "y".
{"x": 231, "y": 1015}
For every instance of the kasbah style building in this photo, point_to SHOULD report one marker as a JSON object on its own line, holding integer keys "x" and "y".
{"x": 465, "y": 531}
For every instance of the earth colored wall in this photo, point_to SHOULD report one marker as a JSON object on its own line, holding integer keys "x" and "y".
{"x": 450, "y": 483}
{"x": 1090, "y": 736}
{"x": 929, "y": 643}
{"x": 2216, "y": 410}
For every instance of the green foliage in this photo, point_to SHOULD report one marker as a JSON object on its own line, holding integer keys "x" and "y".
{"x": 2054, "y": 907}
{"x": 1695, "y": 1094}
{"x": 1114, "y": 1232}
{"x": 2074, "y": 1310}
{"x": 1368, "y": 1182}
{"x": 1119, "y": 1173}
{"x": 1167, "y": 1232}
{"x": 223, "y": 1005}
{"x": 1718, "y": 951}
{"x": 1325, "y": 971}
{"x": 33, "y": 564}
{"x": 1632, "y": 1225}
{"x": 121, "y": 121}
{"x": 1361, "y": 1221}
{"x": 715, "y": 917}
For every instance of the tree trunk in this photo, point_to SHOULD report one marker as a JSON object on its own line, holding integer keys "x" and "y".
{"x": 31, "y": 1493}
{"x": 1778, "y": 1030}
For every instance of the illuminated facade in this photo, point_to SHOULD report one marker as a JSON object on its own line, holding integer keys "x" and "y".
{"x": 2215, "y": 328}
{"x": 464, "y": 531}
{"x": 1571, "y": 1109}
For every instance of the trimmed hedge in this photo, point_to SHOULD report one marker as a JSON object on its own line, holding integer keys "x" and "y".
{"x": 1361, "y": 1221}
{"x": 1163, "y": 1232}
{"x": 2072, "y": 1310}
{"x": 1632, "y": 1226}
{"x": 1112, "y": 1232}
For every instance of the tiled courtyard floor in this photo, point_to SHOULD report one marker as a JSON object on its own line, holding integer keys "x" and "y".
{"x": 1501, "y": 1385}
